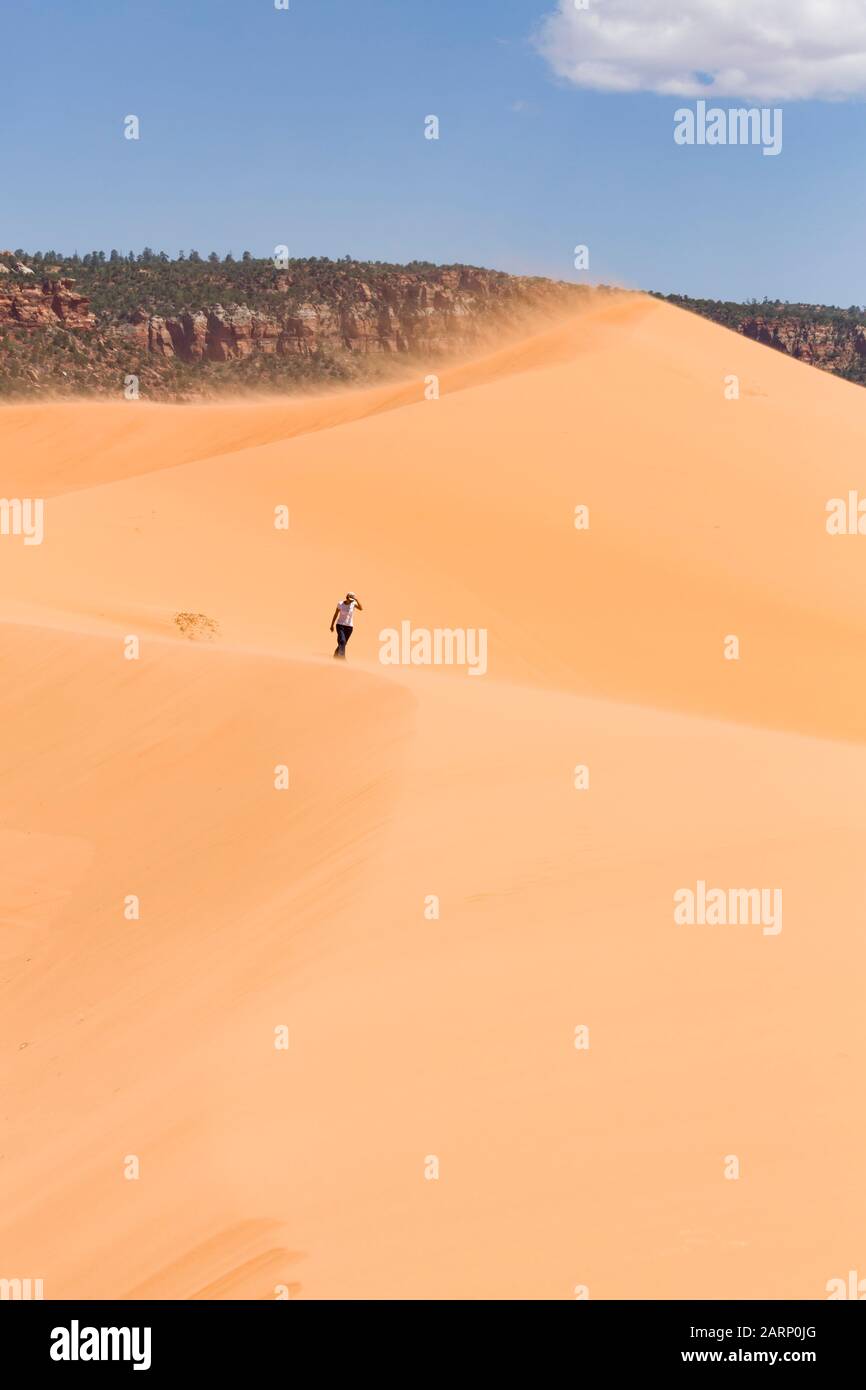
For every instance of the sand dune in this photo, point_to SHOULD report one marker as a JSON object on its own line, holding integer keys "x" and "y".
{"x": 304, "y": 1170}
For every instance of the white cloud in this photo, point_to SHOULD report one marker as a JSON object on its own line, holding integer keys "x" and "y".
{"x": 769, "y": 50}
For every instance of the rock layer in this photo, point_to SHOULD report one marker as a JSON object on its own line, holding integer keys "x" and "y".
{"x": 405, "y": 314}
{"x": 53, "y": 303}
{"x": 838, "y": 347}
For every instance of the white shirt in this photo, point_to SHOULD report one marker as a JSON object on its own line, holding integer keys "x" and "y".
{"x": 344, "y": 613}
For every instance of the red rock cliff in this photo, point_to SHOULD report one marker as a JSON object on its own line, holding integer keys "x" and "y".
{"x": 50, "y": 303}
{"x": 407, "y": 314}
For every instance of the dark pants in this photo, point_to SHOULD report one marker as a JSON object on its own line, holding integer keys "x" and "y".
{"x": 343, "y": 635}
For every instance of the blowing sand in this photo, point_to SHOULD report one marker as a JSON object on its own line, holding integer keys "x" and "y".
{"x": 409, "y": 1037}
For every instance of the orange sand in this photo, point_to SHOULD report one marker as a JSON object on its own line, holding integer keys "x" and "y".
{"x": 454, "y": 1037}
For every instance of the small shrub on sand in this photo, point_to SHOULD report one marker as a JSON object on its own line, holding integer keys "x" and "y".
{"x": 198, "y": 627}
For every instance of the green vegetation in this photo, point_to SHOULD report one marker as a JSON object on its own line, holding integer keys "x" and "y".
{"x": 733, "y": 315}
{"x": 118, "y": 284}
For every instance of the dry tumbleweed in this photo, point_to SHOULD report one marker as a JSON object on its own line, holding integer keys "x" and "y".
{"x": 197, "y": 626}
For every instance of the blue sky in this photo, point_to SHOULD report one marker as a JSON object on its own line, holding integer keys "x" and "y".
{"x": 306, "y": 127}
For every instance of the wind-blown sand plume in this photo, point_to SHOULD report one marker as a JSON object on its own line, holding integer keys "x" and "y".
{"x": 411, "y": 1037}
